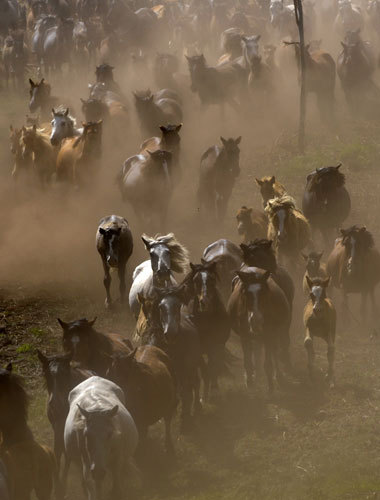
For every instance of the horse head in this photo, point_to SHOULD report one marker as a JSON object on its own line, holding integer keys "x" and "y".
{"x": 356, "y": 241}
{"x": 77, "y": 338}
{"x": 318, "y": 295}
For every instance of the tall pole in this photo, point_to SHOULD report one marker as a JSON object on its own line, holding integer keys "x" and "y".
{"x": 302, "y": 117}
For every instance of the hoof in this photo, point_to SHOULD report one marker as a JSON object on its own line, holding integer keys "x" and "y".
{"x": 249, "y": 381}
{"x": 108, "y": 305}
{"x": 308, "y": 343}
{"x": 330, "y": 380}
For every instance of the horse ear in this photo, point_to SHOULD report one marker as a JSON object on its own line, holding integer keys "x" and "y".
{"x": 132, "y": 354}
{"x": 307, "y": 46}
{"x": 342, "y": 232}
{"x": 32, "y": 84}
{"x": 309, "y": 282}
{"x": 53, "y": 111}
{"x": 243, "y": 276}
{"x": 11, "y": 128}
{"x": 244, "y": 247}
{"x": 42, "y": 80}
{"x": 192, "y": 266}
{"x": 9, "y": 367}
{"x": 141, "y": 298}
{"x": 338, "y": 166}
{"x": 84, "y": 412}
{"x": 146, "y": 241}
{"x": 363, "y": 229}
{"x": 320, "y": 255}
{"x": 102, "y": 231}
{"x": 43, "y": 359}
{"x": 257, "y": 38}
{"x": 63, "y": 324}
{"x": 238, "y": 140}
{"x": 67, "y": 112}
{"x": 272, "y": 180}
{"x": 34, "y": 127}
{"x": 113, "y": 412}
{"x": 149, "y": 152}
{"x": 343, "y": 45}
{"x": 99, "y": 122}
{"x": 91, "y": 323}
{"x": 265, "y": 276}
{"x": 258, "y": 182}
{"x": 224, "y": 142}
{"x": 304, "y": 256}
{"x": 83, "y": 101}
{"x": 326, "y": 282}
{"x": 188, "y": 57}
{"x": 178, "y": 127}
{"x": 163, "y": 128}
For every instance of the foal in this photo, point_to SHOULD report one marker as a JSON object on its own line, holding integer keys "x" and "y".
{"x": 320, "y": 321}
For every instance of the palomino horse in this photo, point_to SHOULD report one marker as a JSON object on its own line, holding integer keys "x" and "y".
{"x": 288, "y": 228}
{"x": 183, "y": 345}
{"x": 36, "y": 143}
{"x": 100, "y": 435}
{"x": 170, "y": 140}
{"x": 79, "y": 157}
{"x": 155, "y": 110}
{"x": 41, "y": 98}
{"x": 60, "y": 377}
{"x": 114, "y": 243}
{"x": 261, "y": 77}
{"x": 93, "y": 350}
{"x": 62, "y": 126}
{"x": 326, "y": 202}
{"x": 314, "y": 269}
{"x": 21, "y": 163}
{"x": 146, "y": 182}
{"x": 252, "y": 224}
{"x": 260, "y": 253}
{"x": 30, "y": 466}
{"x": 320, "y": 321}
{"x": 354, "y": 266}
{"x": 167, "y": 255}
{"x": 270, "y": 188}
{"x": 218, "y": 173}
{"x": 260, "y": 315}
{"x": 147, "y": 378}
{"x": 228, "y": 258}
{"x": 210, "y": 317}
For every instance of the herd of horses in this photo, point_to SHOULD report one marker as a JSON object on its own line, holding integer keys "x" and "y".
{"x": 105, "y": 390}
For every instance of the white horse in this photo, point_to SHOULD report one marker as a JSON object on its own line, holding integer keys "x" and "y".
{"x": 167, "y": 255}
{"x": 100, "y": 435}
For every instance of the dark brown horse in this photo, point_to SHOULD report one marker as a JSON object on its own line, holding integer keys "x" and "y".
{"x": 270, "y": 188}
{"x": 260, "y": 314}
{"x": 354, "y": 266}
{"x": 148, "y": 379}
{"x": 252, "y": 224}
{"x": 93, "y": 350}
{"x": 320, "y": 321}
{"x": 326, "y": 202}
{"x": 114, "y": 243}
{"x": 41, "y": 98}
{"x": 218, "y": 173}
{"x": 30, "y": 466}
{"x": 60, "y": 377}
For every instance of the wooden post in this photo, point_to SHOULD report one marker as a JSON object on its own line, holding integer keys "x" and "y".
{"x": 302, "y": 116}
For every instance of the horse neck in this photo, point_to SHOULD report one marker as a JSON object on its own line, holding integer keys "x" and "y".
{"x": 40, "y": 145}
{"x": 16, "y": 430}
{"x": 90, "y": 148}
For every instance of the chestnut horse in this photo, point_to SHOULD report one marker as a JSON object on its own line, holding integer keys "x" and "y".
{"x": 22, "y": 163}
{"x": 320, "y": 321}
{"x": 314, "y": 269}
{"x": 354, "y": 266}
{"x": 270, "y": 188}
{"x": 261, "y": 316}
{"x": 36, "y": 143}
{"x": 30, "y": 466}
{"x": 252, "y": 224}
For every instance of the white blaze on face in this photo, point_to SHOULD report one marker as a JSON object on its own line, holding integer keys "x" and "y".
{"x": 281, "y": 222}
{"x": 253, "y": 291}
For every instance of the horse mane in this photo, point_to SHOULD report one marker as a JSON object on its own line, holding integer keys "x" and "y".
{"x": 179, "y": 255}
{"x": 18, "y": 401}
{"x": 364, "y": 236}
{"x": 61, "y": 111}
{"x": 284, "y": 201}
{"x": 40, "y": 133}
{"x": 332, "y": 173}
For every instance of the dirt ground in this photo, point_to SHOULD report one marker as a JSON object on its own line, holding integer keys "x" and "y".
{"x": 305, "y": 442}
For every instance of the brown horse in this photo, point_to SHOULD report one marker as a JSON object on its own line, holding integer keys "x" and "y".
{"x": 147, "y": 377}
{"x": 41, "y": 98}
{"x": 320, "y": 321}
{"x": 37, "y": 144}
{"x": 78, "y": 159}
{"x": 30, "y": 466}
{"x": 21, "y": 163}
{"x": 270, "y": 188}
{"x": 314, "y": 269}
{"x": 354, "y": 265}
{"x": 114, "y": 243}
{"x": 60, "y": 377}
{"x": 252, "y": 224}
{"x": 288, "y": 228}
{"x": 260, "y": 315}
{"x": 91, "y": 349}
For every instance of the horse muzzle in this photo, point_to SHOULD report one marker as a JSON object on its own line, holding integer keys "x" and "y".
{"x": 54, "y": 141}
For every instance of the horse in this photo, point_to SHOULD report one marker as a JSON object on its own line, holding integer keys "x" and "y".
{"x": 114, "y": 243}
{"x": 57, "y": 45}
{"x": 30, "y": 466}
{"x": 79, "y": 157}
{"x": 261, "y": 78}
{"x": 353, "y": 38}
{"x": 22, "y": 163}
{"x": 60, "y": 378}
{"x": 326, "y": 202}
{"x": 150, "y": 178}
{"x": 148, "y": 380}
{"x": 170, "y": 140}
{"x": 354, "y": 266}
{"x": 282, "y": 19}
{"x": 93, "y": 350}
{"x": 314, "y": 269}
{"x": 40, "y": 29}
{"x": 288, "y": 228}
{"x": 164, "y": 67}
{"x": 40, "y": 98}
{"x": 251, "y": 224}
{"x": 219, "y": 169}
{"x": 4, "y": 487}
{"x": 260, "y": 315}
{"x": 231, "y": 45}
{"x": 319, "y": 79}
{"x": 63, "y": 126}
{"x": 228, "y": 259}
{"x": 35, "y": 142}
{"x": 210, "y": 317}
{"x": 104, "y": 74}
{"x": 215, "y": 85}
{"x": 167, "y": 255}
{"x": 349, "y": 18}
{"x": 260, "y": 253}
{"x": 154, "y": 110}
{"x": 270, "y": 188}
{"x": 15, "y": 57}
{"x": 183, "y": 346}
{"x": 320, "y": 321}
{"x": 9, "y": 16}
{"x": 100, "y": 435}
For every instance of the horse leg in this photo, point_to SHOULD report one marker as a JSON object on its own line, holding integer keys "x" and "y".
{"x": 363, "y": 306}
{"x": 65, "y": 474}
{"x": 246, "y": 345}
{"x": 122, "y": 287}
{"x": 309, "y": 346}
{"x": 107, "y": 284}
{"x": 206, "y": 378}
{"x": 373, "y": 307}
{"x": 186, "y": 396}
{"x": 168, "y": 435}
{"x": 268, "y": 366}
{"x": 195, "y": 394}
{"x": 331, "y": 359}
